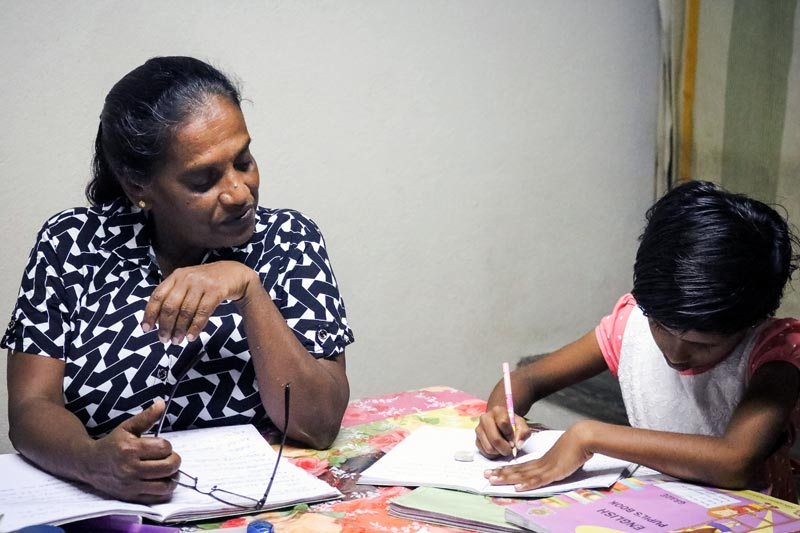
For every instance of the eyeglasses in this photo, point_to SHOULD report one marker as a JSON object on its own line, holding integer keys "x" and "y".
{"x": 225, "y": 496}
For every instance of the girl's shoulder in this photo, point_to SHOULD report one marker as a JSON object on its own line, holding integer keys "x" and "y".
{"x": 779, "y": 340}
{"x": 611, "y": 330}
{"x": 780, "y": 332}
{"x": 614, "y": 323}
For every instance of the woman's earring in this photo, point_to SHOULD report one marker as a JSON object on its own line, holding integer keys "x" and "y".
{"x": 141, "y": 204}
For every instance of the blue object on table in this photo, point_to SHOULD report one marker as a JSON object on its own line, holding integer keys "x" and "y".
{"x": 259, "y": 526}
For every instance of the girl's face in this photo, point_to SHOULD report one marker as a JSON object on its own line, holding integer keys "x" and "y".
{"x": 205, "y": 195}
{"x": 693, "y": 349}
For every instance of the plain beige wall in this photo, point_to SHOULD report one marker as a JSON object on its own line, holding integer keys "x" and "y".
{"x": 480, "y": 169}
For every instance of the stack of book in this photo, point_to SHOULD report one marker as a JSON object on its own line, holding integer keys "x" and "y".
{"x": 640, "y": 504}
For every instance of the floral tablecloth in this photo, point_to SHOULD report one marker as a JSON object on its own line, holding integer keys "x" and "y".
{"x": 370, "y": 428}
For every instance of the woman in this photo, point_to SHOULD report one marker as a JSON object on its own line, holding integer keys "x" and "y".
{"x": 173, "y": 267}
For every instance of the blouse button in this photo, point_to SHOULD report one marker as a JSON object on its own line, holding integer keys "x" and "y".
{"x": 322, "y": 334}
{"x": 161, "y": 373}
{"x": 12, "y": 326}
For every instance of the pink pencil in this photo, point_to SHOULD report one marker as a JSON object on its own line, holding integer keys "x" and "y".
{"x": 510, "y": 407}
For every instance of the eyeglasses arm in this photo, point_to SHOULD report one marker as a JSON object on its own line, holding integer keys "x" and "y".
{"x": 286, "y": 396}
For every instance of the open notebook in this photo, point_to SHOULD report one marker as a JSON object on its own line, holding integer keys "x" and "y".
{"x": 427, "y": 457}
{"x": 236, "y": 458}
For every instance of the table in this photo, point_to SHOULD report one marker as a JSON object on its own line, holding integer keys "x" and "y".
{"x": 370, "y": 428}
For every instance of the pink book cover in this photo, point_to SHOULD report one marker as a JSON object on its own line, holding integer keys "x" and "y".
{"x": 661, "y": 507}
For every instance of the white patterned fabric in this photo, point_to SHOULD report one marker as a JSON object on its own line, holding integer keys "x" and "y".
{"x": 83, "y": 296}
{"x": 660, "y": 398}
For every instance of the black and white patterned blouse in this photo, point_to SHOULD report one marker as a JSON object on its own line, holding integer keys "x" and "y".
{"x": 83, "y": 296}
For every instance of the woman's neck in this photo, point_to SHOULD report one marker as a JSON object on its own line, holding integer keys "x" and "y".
{"x": 168, "y": 262}
{"x": 171, "y": 254}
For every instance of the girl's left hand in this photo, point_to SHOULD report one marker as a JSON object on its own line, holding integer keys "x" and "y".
{"x": 182, "y": 304}
{"x": 566, "y": 456}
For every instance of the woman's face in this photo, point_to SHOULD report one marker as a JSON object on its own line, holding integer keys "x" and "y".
{"x": 692, "y": 349}
{"x": 205, "y": 194}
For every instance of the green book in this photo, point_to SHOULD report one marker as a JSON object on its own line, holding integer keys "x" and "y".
{"x": 454, "y": 509}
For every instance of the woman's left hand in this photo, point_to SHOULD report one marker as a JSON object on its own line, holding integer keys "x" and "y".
{"x": 566, "y": 456}
{"x": 182, "y": 304}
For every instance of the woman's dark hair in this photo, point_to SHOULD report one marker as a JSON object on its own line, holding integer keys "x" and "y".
{"x": 139, "y": 115}
{"x": 711, "y": 260}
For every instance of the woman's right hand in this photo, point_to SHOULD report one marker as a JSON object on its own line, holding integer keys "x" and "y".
{"x": 132, "y": 467}
{"x": 494, "y": 433}
{"x": 182, "y": 304}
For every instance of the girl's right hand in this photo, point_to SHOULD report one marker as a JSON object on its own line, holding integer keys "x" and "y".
{"x": 130, "y": 467}
{"x": 494, "y": 434}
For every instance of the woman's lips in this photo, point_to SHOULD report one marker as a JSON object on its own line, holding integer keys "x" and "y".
{"x": 246, "y": 217}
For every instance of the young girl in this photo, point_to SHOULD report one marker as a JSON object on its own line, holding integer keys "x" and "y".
{"x": 710, "y": 381}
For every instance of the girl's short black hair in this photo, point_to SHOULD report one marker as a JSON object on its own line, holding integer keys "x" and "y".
{"x": 712, "y": 261}
{"x": 139, "y": 115}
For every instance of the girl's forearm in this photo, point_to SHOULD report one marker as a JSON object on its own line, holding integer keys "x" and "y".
{"x": 711, "y": 460}
{"x": 522, "y": 393}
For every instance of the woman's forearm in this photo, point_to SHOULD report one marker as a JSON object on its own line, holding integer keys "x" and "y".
{"x": 40, "y": 427}
{"x": 121, "y": 464}
{"x": 319, "y": 387}
{"x": 51, "y": 437}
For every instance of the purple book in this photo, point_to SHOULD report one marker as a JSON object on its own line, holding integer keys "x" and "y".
{"x": 660, "y": 507}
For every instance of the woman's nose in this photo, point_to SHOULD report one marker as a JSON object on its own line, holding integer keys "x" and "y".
{"x": 236, "y": 190}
